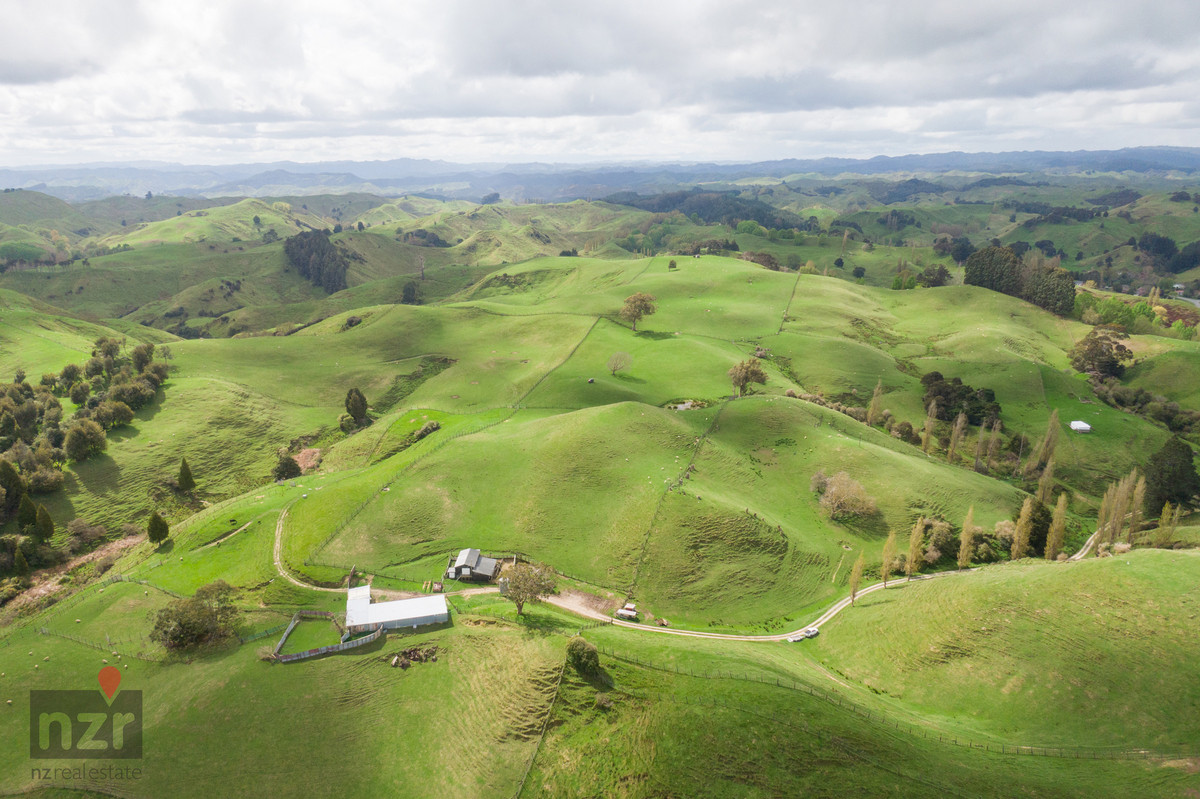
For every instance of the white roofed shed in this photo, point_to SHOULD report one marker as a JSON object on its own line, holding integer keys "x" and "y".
{"x": 1081, "y": 427}
{"x": 362, "y": 614}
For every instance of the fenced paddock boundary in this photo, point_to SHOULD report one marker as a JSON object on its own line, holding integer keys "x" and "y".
{"x": 1071, "y": 752}
{"x": 322, "y": 650}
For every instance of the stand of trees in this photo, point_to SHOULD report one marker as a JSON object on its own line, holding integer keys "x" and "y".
{"x": 318, "y": 259}
{"x": 1043, "y": 284}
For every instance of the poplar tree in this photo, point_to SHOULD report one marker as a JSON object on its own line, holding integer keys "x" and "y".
{"x": 1046, "y": 483}
{"x": 1135, "y": 508}
{"x": 993, "y": 445}
{"x": 1058, "y": 528}
{"x": 930, "y": 419}
{"x": 875, "y": 410}
{"x": 889, "y": 555}
{"x": 960, "y": 425}
{"x": 915, "y": 538}
{"x": 1020, "y": 543}
{"x": 856, "y": 577}
{"x": 966, "y": 540}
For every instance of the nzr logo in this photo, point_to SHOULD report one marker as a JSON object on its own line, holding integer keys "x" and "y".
{"x": 95, "y": 725}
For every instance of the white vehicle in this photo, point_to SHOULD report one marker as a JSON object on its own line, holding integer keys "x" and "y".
{"x": 811, "y": 632}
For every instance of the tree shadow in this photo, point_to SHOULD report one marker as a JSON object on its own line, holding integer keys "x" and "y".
{"x": 654, "y": 335}
{"x": 872, "y": 525}
{"x": 99, "y": 474}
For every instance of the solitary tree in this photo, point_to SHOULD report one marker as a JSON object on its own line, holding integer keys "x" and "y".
{"x": 157, "y": 530}
{"x": 930, "y": 419}
{"x": 204, "y": 618}
{"x": 889, "y": 555}
{"x": 583, "y": 655}
{"x": 26, "y": 514}
{"x": 912, "y": 564}
{"x": 528, "y": 582}
{"x": 636, "y": 307}
{"x": 619, "y": 362}
{"x": 745, "y": 373}
{"x": 844, "y": 496}
{"x": 185, "y": 480}
{"x": 356, "y": 406}
{"x": 856, "y": 577}
{"x": 286, "y": 469}
{"x": 1058, "y": 528}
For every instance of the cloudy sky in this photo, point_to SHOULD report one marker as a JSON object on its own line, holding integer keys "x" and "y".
{"x": 219, "y": 82}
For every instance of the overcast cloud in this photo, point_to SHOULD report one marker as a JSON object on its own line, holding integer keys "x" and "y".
{"x": 223, "y": 82}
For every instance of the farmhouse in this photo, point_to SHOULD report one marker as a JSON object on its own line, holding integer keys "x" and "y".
{"x": 1081, "y": 427}
{"x": 362, "y": 615}
{"x": 470, "y": 565}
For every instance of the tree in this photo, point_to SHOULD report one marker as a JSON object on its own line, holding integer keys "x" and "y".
{"x": 889, "y": 555}
{"x": 930, "y": 419}
{"x": 529, "y": 582}
{"x": 995, "y": 268}
{"x": 204, "y": 618}
{"x": 671, "y": 264}
{"x": 1101, "y": 352}
{"x": 1168, "y": 520}
{"x": 1171, "y": 476}
{"x": 26, "y": 514}
{"x": 858, "y": 272}
{"x": 20, "y": 563}
{"x": 157, "y": 530}
{"x": 912, "y": 563}
{"x": 257, "y": 221}
{"x": 410, "y": 294}
{"x": 185, "y": 479}
{"x": 1058, "y": 528}
{"x": 286, "y": 469}
{"x": 356, "y": 406}
{"x": 1137, "y": 508}
{"x": 141, "y": 356}
{"x": 43, "y": 528}
{"x": 746, "y": 372}
{"x": 856, "y": 577}
{"x": 490, "y": 199}
{"x": 875, "y": 409}
{"x": 637, "y": 306}
{"x": 960, "y": 426}
{"x": 1020, "y": 544}
{"x": 844, "y": 497}
{"x": 583, "y": 655}
{"x": 1045, "y": 486}
{"x": 14, "y": 488}
{"x": 84, "y": 440}
{"x": 619, "y": 361}
{"x": 966, "y": 539}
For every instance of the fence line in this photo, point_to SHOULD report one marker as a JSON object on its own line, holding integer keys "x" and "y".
{"x": 1081, "y": 753}
{"x": 324, "y": 650}
{"x": 98, "y": 646}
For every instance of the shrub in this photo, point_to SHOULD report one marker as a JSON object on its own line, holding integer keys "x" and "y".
{"x": 204, "y": 618}
{"x": 582, "y": 654}
{"x": 845, "y": 497}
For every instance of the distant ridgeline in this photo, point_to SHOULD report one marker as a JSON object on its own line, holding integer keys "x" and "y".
{"x": 726, "y": 208}
{"x": 318, "y": 259}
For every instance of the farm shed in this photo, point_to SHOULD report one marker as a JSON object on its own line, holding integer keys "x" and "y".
{"x": 470, "y": 565}
{"x": 1081, "y": 427}
{"x": 362, "y": 615}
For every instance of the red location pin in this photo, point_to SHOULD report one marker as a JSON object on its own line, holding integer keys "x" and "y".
{"x": 110, "y": 681}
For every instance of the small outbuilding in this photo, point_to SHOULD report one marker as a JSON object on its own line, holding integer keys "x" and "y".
{"x": 628, "y": 612}
{"x": 362, "y": 615}
{"x": 1081, "y": 427}
{"x": 472, "y": 566}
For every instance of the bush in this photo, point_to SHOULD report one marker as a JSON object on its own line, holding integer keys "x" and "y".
{"x": 582, "y": 654}
{"x": 286, "y": 469}
{"x": 193, "y": 621}
{"x": 845, "y": 497}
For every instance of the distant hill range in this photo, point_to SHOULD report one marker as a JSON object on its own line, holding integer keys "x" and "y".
{"x": 550, "y": 182}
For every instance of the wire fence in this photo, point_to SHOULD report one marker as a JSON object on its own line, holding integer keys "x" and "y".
{"x": 890, "y": 723}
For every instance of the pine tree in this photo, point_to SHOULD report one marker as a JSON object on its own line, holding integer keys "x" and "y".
{"x": 1020, "y": 545}
{"x": 1058, "y": 528}
{"x": 13, "y": 487}
{"x": 856, "y": 577}
{"x": 356, "y": 406}
{"x": 43, "y": 529}
{"x": 186, "y": 482}
{"x": 157, "y": 530}
{"x": 1046, "y": 483}
{"x": 20, "y": 564}
{"x": 875, "y": 410}
{"x": 912, "y": 564}
{"x": 966, "y": 539}
{"x": 26, "y": 514}
{"x": 889, "y": 555}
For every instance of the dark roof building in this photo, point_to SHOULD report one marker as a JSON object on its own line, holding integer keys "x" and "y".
{"x": 470, "y": 565}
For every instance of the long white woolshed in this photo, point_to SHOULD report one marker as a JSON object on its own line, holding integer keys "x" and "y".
{"x": 362, "y": 615}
